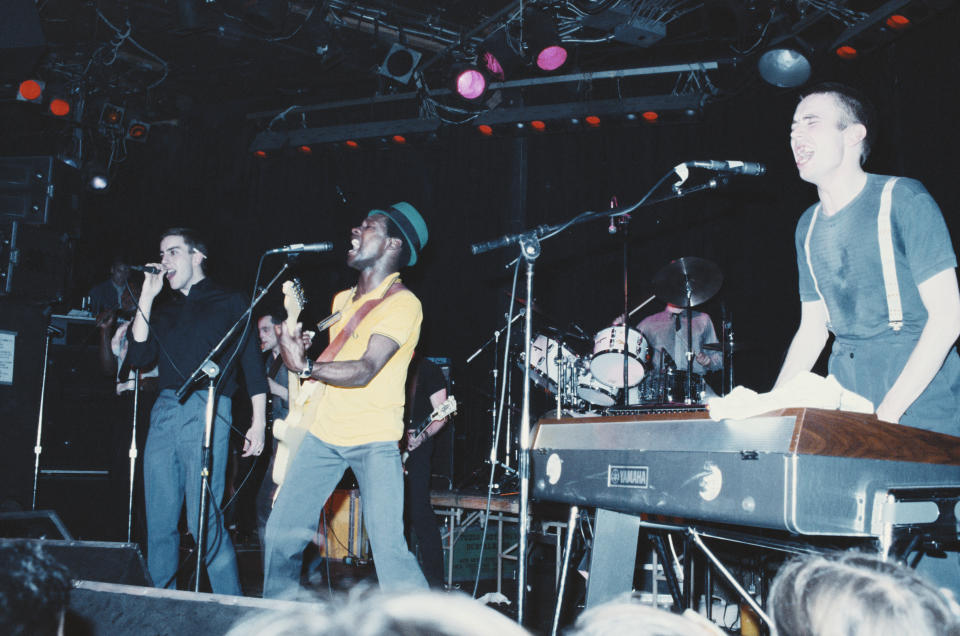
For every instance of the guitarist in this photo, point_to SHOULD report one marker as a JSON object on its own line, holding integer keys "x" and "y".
{"x": 359, "y": 417}
{"x": 428, "y": 388}
{"x": 277, "y": 407}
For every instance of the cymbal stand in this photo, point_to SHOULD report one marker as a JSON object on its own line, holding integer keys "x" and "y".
{"x": 622, "y": 222}
{"x": 689, "y": 312}
{"x": 726, "y": 335}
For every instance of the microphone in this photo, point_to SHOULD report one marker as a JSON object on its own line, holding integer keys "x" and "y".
{"x": 301, "y": 247}
{"x": 731, "y": 167}
{"x": 149, "y": 269}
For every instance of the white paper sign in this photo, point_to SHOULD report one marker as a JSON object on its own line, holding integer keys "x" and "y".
{"x": 7, "y": 349}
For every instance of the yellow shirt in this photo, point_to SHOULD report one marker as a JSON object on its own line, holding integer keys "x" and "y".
{"x": 371, "y": 413}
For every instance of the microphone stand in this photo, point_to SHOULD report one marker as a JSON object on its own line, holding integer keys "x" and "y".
{"x": 211, "y": 370}
{"x": 529, "y": 242}
{"x": 37, "y": 448}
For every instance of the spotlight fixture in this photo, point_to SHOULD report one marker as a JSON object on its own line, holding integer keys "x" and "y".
{"x": 59, "y": 107}
{"x": 260, "y": 154}
{"x": 538, "y": 125}
{"x": 400, "y": 63}
{"x": 305, "y": 150}
{"x": 469, "y": 82}
{"x": 485, "y": 130}
{"x": 846, "y": 52}
{"x": 30, "y": 91}
{"x": 96, "y": 177}
{"x": 111, "y": 115}
{"x": 784, "y": 67}
{"x": 543, "y": 41}
{"x": 138, "y": 131}
{"x": 592, "y": 120}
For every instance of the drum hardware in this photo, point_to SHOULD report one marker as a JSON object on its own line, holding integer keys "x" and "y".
{"x": 685, "y": 282}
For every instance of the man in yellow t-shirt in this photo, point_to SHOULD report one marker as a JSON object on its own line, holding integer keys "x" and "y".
{"x": 359, "y": 414}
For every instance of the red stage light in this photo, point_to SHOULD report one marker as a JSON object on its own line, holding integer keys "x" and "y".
{"x": 350, "y": 143}
{"x": 398, "y": 139}
{"x": 538, "y": 125}
{"x": 650, "y": 116}
{"x": 59, "y": 107}
{"x": 592, "y": 120}
{"x": 305, "y": 150}
{"x": 260, "y": 154}
{"x": 897, "y": 22}
{"x": 846, "y": 52}
{"x": 485, "y": 130}
{"x": 30, "y": 90}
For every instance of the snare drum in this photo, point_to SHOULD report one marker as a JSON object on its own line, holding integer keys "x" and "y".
{"x": 546, "y": 356}
{"x": 595, "y": 392}
{"x": 647, "y": 391}
{"x": 606, "y": 364}
{"x": 675, "y": 387}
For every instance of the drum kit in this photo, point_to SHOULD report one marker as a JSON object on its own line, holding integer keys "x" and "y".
{"x": 621, "y": 357}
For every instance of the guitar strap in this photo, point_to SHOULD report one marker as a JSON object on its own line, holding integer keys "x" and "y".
{"x": 341, "y": 338}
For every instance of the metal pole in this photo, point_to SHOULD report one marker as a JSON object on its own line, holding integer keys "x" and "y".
{"x": 571, "y": 527}
{"x": 530, "y": 249}
{"x": 133, "y": 454}
{"x": 205, "y": 464}
{"x": 37, "y": 448}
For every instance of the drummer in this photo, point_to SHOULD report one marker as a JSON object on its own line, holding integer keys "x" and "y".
{"x": 666, "y": 332}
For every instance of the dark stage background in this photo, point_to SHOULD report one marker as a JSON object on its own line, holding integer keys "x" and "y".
{"x": 201, "y": 173}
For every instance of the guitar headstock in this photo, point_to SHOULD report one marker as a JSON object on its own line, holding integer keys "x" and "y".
{"x": 293, "y": 301}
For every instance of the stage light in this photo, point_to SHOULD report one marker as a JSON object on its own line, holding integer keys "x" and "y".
{"x": 400, "y": 63}
{"x": 111, "y": 115}
{"x": 350, "y": 143}
{"x": 846, "y": 52}
{"x": 592, "y": 120}
{"x": 138, "y": 131}
{"x": 650, "y": 116}
{"x": 59, "y": 107}
{"x": 898, "y": 22}
{"x": 305, "y": 150}
{"x": 485, "y": 130}
{"x": 30, "y": 91}
{"x": 543, "y": 40}
{"x": 260, "y": 154}
{"x": 786, "y": 68}
{"x": 538, "y": 125}
{"x": 398, "y": 139}
{"x": 551, "y": 58}
{"x": 95, "y": 176}
{"x": 469, "y": 83}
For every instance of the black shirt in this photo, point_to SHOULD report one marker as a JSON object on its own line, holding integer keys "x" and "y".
{"x": 429, "y": 379}
{"x": 188, "y": 327}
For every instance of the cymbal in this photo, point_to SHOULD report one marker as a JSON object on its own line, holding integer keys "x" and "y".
{"x": 688, "y": 281}
{"x": 734, "y": 346}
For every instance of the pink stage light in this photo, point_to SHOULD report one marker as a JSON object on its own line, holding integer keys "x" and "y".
{"x": 551, "y": 58}
{"x": 471, "y": 84}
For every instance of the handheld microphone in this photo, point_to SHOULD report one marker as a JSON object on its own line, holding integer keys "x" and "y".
{"x": 149, "y": 269}
{"x": 301, "y": 247}
{"x": 731, "y": 167}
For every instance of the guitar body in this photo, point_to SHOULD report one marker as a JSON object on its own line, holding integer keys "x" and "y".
{"x": 290, "y": 431}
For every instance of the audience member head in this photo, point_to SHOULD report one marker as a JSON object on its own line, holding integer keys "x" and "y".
{"x": 373, "y": 613}
{"x": 627, "y": 616}
{"x": 857, "y": 594}
{"x": 34, "y": 590}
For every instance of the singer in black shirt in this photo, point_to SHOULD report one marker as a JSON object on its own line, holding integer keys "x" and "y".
{"x": 177, "y": 336}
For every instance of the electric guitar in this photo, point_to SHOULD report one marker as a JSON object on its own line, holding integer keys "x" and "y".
{"x": 303, "y": 398}
{"x": 446, "y": 408}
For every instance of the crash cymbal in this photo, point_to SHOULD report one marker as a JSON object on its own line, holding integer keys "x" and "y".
{"x": 688, "y": 281}
{"x": 734, "y": 346}
{"x": 564, "y": 334}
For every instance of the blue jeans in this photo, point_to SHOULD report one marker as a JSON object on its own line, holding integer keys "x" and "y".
{"x": 313, "y": 474}
{"x": 171, "y": 468}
